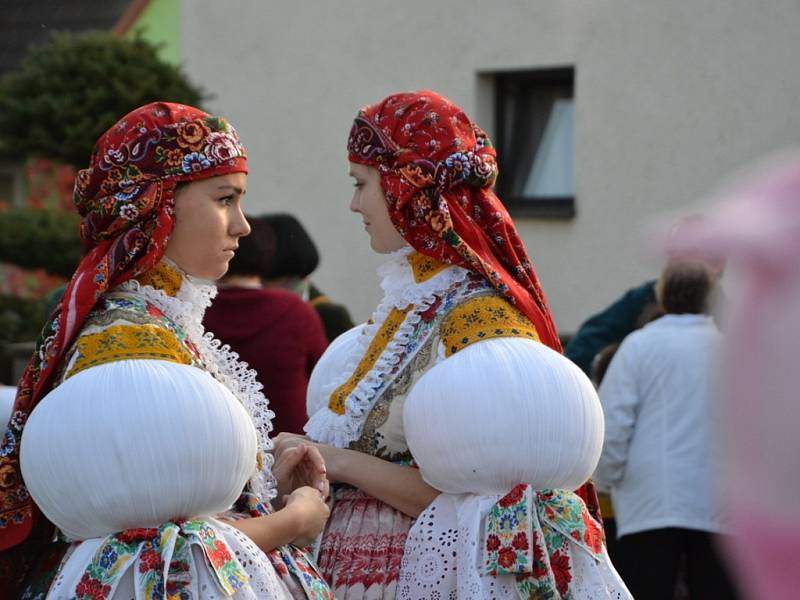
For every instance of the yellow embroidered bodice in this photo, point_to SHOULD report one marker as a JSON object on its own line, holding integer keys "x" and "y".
{"x": 483, "y": 318}
{"x": 125, "y": 327}
{"x": 127, "y": 342}
{"x": 164, "y": 276}
{"x": 424, "y": 267}
{"x": 376, "y": 348}
{"x": 470, "y": 311}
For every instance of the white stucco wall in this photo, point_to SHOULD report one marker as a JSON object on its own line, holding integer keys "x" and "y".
{"x": 670, "y": 97}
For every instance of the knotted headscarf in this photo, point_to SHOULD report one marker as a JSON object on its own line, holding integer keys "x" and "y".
{"x": 126, "y": 198}
{"x": 437, "y": 170}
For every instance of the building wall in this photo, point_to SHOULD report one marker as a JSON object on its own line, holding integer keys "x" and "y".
{"x": 159, "y": 23}
{"x": 670, "y": 97}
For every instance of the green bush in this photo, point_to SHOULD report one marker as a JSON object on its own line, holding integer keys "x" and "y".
{"x": 40, "y": 239}
{"x": 69, "y": 91}
{"x": 21, "y": 320}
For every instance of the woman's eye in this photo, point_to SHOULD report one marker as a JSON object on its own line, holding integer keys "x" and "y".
{"x": 226, "y": 200}
{"x": 358, "y": 184}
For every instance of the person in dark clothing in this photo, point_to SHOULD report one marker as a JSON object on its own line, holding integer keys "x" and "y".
{"x": 293, "y": 257}
{"x": 634, "y": 309}
{"x": 611, "y": 325}
{"x": 273, "y": 330}
{"x": 335, "y": 317}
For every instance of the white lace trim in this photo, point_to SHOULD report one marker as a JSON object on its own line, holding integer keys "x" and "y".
{"x": 400, "y": 291}
{"x": 187, "y": 309}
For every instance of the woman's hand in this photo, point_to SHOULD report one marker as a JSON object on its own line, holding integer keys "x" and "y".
{"x": 285, "y": 441}
{"x": 309, "y": 512}
{"x": 300, "y": 465}
{"x": 299, "y": 522}
{"x": 399, "y": 486}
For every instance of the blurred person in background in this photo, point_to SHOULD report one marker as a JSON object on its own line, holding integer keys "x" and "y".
{"x": 599, "y": 368}
{"x": 293, "y": 257}
{"x": 611, "y": 325}
{"x": 636, "y": 307}
{"x": 659, "y": 457}
{"x": 272, "y": 329}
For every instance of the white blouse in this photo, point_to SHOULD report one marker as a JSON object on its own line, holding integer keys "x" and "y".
{"x": 660, "y": 458}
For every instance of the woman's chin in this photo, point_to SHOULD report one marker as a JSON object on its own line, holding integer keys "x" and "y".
{"x": 384, "y": 248}
{"x": 209, "y": 273}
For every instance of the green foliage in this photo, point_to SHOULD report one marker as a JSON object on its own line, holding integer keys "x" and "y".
{"x": 40, "y": 239}
{"x": 69, "y": 91}
{"x": 21, "y": 320}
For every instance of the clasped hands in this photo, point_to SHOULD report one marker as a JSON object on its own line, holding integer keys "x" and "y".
{"x": 303, "y": 485}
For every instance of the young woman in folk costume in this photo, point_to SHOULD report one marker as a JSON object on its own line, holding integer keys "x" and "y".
{"x": 454, "y": 427}
{"x": 140, "y": 437}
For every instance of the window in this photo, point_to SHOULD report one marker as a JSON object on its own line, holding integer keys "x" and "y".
{"x": 535, "y": 122}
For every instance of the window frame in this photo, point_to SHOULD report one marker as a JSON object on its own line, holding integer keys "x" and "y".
{"x": 550, "y": 207}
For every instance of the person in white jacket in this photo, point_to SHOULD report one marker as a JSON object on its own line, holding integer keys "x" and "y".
{"x": 659, "y": 458}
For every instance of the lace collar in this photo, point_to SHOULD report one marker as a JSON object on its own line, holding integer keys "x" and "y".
{"x": 181, "y": 297}
{"x": 408, "y": 277}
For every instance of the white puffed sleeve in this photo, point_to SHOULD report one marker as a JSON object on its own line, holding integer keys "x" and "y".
{"x": 135, "y": 443}
{"x": 329, "y": 368}
{"x": 502, "y": 412}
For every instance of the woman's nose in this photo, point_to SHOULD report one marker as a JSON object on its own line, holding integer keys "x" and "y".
{"x": 240, "y": 227}
{"x": 355, "y": 205}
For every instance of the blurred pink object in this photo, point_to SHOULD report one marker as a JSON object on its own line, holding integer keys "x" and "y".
{"x": 757, "y": 229}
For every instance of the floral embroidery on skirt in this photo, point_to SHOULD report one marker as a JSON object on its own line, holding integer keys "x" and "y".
{"x": 363, "y": 546}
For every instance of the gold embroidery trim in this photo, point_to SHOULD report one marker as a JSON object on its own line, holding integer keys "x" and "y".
{"x": 163, "y": 277}
{"x": 424, "y": 267}
{"x": 483, "y": 318}
{"x": 125, "y": 342}
{"x": 385, "y": 334}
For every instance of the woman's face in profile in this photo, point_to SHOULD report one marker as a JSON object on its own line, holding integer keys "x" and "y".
{"x": 370, "y": 202}
{"x": 208, "y": 224}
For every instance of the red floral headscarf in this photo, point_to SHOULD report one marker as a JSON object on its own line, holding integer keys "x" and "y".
{"x": 437, "y": 171}
{"x": 126, "y": 198}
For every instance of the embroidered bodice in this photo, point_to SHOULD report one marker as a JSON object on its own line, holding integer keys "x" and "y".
{"x": 159, "y": 316}
{"x": 430, "y": 310}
